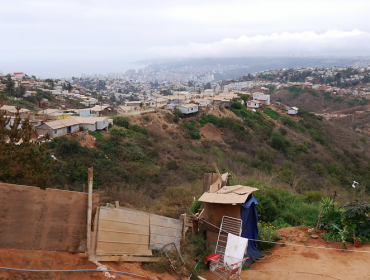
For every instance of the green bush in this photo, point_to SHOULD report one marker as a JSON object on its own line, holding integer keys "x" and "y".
{"x": 117, "y": 133}
{"x": 96, "y": 134}
{"x": 313, "y": 196}
{"x": 295, "y": 90}
{"x": 139, "y": 129}
{"x": 195, "y": 206}
{"x": 279, "y": 142}
{"x": 277, "y": 204}
{"x": 172, "y": 165}
{"x": 238, "y": 129}
{"x": 121, "y": 121}
{"x": 236, "y": 105}
{"x": 292, "y": 124}
{"x": 208, "y": 119}
{"x": 327, "y": 95}
{"x": 267, "y": 232}
{"x": 191, "y": 128}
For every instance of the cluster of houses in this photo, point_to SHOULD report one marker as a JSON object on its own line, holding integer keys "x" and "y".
{"x": 57, "y": 122}
{"x": 189, "y": 103}
{"x": 192, "y": 103}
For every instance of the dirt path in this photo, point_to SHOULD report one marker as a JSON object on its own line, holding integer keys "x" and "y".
{"x": 293, "y": 262}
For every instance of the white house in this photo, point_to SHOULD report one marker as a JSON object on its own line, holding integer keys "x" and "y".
{"x": 188, "y": 108}
{"x": 203, "y": 102}
{"x": 253, "y": 104}
{"x": 93, "y": 123}
{"x": 263, "y": 98}
{"x": 82, "y": 112}
{"x": 157, "y": 102}
{"x": 58, "y": 128}
{"x": 293, "y": 111}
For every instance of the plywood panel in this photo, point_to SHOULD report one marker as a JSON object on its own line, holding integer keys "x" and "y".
{"x": 123, "y": 232}
{"x": 36, "y": 219}
{"x": 163, "y": 231}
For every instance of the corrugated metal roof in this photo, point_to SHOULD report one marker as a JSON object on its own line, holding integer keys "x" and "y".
{"x": 229, "y": 195}
{"x": 55, "y": 124}
{"x": 69, "y": 121}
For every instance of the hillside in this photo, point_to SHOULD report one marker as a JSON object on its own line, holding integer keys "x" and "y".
{"x": 145, "y": 155}
{"x": 142, "y": 156}
{"x": 319, "y": 101}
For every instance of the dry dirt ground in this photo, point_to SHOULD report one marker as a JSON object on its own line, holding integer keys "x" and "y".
{"x": 293, "y": 262}
{"x": 285, "y": 262}
{"x": 49, "y": 260}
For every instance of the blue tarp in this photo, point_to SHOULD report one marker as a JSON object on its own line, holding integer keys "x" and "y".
{"x": 250, "y": 230}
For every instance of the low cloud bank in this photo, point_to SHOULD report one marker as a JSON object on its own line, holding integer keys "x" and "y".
{"x": 332, "y": 42}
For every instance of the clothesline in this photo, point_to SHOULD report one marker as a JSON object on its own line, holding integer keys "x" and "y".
{"x": 288, "y": 244}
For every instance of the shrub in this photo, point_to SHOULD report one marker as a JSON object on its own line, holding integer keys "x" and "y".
{"x": 318, "y": 168}
{"x": 337, "y": 99}
{"x": 283, "y": 131}
{"x": 208, "y": 119}
{"x": 172, "y": 165}
{"x": 292, "y": 124}
{"x": 117, "y": 133}
{"x": 277, "y": 204}
{"x": 238, "y": 129}
{"x": 96, "y": 134}
{"x": 295, "y": 90}
{"x": 236, "y": 105}
{"x": 121, "y": 121}
{"x": 317, "y": 136}
{"x": 313, "y": 196}
{"x": 195, "y": 206}
{"x": 267, "y": 232}
{"x": 327, "y": 95}
{"x": 139, "y": 129}
{"x": 192, "y": 130}
{"x": 279, "y": 142}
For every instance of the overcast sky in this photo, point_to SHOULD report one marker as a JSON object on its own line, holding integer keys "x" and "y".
{"x": 64, "y": 38}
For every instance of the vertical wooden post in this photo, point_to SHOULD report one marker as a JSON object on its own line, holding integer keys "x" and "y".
{"x": 195, "y": 226}
{"x": 117, "y": 204}
{"x": 89, "y": 209}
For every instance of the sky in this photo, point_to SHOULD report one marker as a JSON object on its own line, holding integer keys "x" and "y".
{"x": 65, "y": 38}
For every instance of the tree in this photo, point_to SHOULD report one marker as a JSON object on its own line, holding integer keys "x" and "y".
{"x": 22, "y": 161}
{"x": 208, "y": 86}
{"x": 117, "y": 133}
{"x": 21, "y": 90}
{"x": 39, "y": 98}
{"x": 51, "y": 82}
{"x": 9, "y": 84}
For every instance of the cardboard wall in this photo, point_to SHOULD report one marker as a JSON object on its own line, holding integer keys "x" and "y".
{"x": 213, "y": 213}
{"x": 35, "y": 219}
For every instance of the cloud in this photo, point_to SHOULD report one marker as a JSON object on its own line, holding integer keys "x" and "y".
{"x": 332, "y": 42}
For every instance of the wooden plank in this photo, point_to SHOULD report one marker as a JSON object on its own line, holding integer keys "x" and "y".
{"x": 126, "y": 259}
{"x": 89, "y": 210}
{"x": 123, "y": 232}
{"x": 217, "y": 171}
{"x": 95, "y": 236}
{"x": 164, "y": 230}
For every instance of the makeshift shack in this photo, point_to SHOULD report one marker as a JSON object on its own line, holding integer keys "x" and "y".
{"x": 233, "y": 201}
